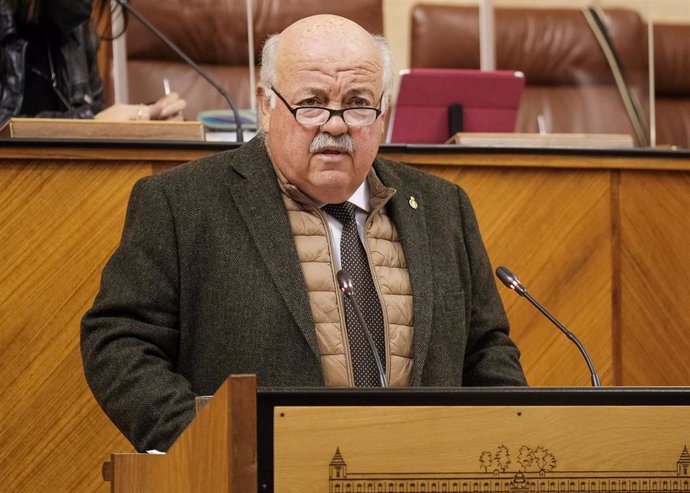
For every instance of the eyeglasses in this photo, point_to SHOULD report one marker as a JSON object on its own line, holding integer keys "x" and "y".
{"x": 317, "y": 115}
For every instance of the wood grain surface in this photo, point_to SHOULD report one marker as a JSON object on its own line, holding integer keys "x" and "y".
{"x": 655, "y": 278}
{"x": 601, "y": 241}
{"x": 443, "y": 445}
{"x": 59, "y": 221}
{"x": 215, "y": 453}
{"x": 552, "y": 229}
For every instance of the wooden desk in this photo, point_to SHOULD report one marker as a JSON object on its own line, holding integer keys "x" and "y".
{"x": 599, "y": 237}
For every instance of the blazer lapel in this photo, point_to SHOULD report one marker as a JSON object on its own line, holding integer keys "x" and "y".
{"x": 406, "y": 209}
{"x": 258, "y": 200}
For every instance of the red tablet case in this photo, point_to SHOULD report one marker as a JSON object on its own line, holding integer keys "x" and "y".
{"x": 490, "y": 101}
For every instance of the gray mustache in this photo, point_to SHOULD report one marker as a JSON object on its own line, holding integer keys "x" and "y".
{"x": 324, "y": 141}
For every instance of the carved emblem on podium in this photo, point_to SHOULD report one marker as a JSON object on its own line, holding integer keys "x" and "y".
{"x": 530, "y": 469}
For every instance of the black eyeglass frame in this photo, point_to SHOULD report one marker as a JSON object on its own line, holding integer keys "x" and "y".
{"x": 331, "y": 112}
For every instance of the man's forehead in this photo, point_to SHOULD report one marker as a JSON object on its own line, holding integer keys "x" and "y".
{"x": 330, "y": 53}
{"x": 328, "y": 92}
{"x": 327, "y": 69}
{"x": 361, "y": 69}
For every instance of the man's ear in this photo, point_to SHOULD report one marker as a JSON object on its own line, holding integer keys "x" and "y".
{"x": 264, "y": 101}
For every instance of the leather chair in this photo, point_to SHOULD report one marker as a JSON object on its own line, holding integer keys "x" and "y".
{"x": 672, "y": 83}
{"x": 568, "y": 80}
{"x": 214, "y": 34}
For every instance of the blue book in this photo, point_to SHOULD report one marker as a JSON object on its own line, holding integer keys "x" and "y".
{"x": 225, "y": 119}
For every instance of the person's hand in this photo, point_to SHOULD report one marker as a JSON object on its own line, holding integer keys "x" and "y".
{"x": 120, "y": 112}
{"x": 169, "y": 107}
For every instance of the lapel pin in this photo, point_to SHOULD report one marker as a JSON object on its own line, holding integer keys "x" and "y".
{"x": 413, "y": 202}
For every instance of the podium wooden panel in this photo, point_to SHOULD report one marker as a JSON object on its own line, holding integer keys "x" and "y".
{"x": 599, "y": 237}
{"x": 216, "y": 453}
{"x": 71, "y": 128}
{"x": 423, "y": 440}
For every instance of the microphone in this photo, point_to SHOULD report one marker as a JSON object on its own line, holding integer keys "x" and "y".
{"x": 345, "y": 283}
{"x": 511, "y": 281}
{"x": 168, "y": 42}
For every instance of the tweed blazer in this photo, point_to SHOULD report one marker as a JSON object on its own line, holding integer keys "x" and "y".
{"x": 207, "y": 282}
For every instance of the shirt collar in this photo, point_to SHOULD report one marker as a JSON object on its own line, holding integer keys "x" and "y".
{"x": 361, "y": 197}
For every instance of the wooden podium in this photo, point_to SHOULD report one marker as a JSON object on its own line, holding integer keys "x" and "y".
{"x": 216, "y": 453}
{"x": 423, "y": 440}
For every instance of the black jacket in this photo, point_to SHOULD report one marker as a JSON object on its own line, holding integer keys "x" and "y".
{"x": 207, "y": 282}
{"x": 77, "y": 68}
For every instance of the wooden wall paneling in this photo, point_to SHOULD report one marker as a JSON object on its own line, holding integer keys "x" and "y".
{"x": 549, "y": 217}
{"x": 59, "y": 222}
{"x": 655, "y": 267}
{"x": 552, "y": 228}
{"x": 616, "y": 303}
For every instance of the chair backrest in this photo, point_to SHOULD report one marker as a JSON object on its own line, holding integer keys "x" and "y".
{"x": 214, "y": 34}
{"x": 568, "y": 80}
{"x": 672, "y": 83}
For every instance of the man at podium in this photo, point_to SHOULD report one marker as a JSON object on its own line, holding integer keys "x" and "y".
{"x": 238, "y": 263}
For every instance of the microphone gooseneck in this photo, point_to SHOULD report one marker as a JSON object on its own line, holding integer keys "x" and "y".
{"x": 512, "y": 282}
{"x": 345, "y": 283}
{"x": 168, "y": 42}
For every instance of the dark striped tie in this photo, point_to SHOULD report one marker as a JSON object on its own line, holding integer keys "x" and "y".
{"x": 354, "y": 260}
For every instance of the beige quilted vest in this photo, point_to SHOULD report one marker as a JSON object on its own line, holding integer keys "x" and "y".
{"x": 312, "y": 239}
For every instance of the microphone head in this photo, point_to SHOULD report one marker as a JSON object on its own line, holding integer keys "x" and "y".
{"x": 510, "y": 280}
{"x": 345, "y": 282}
